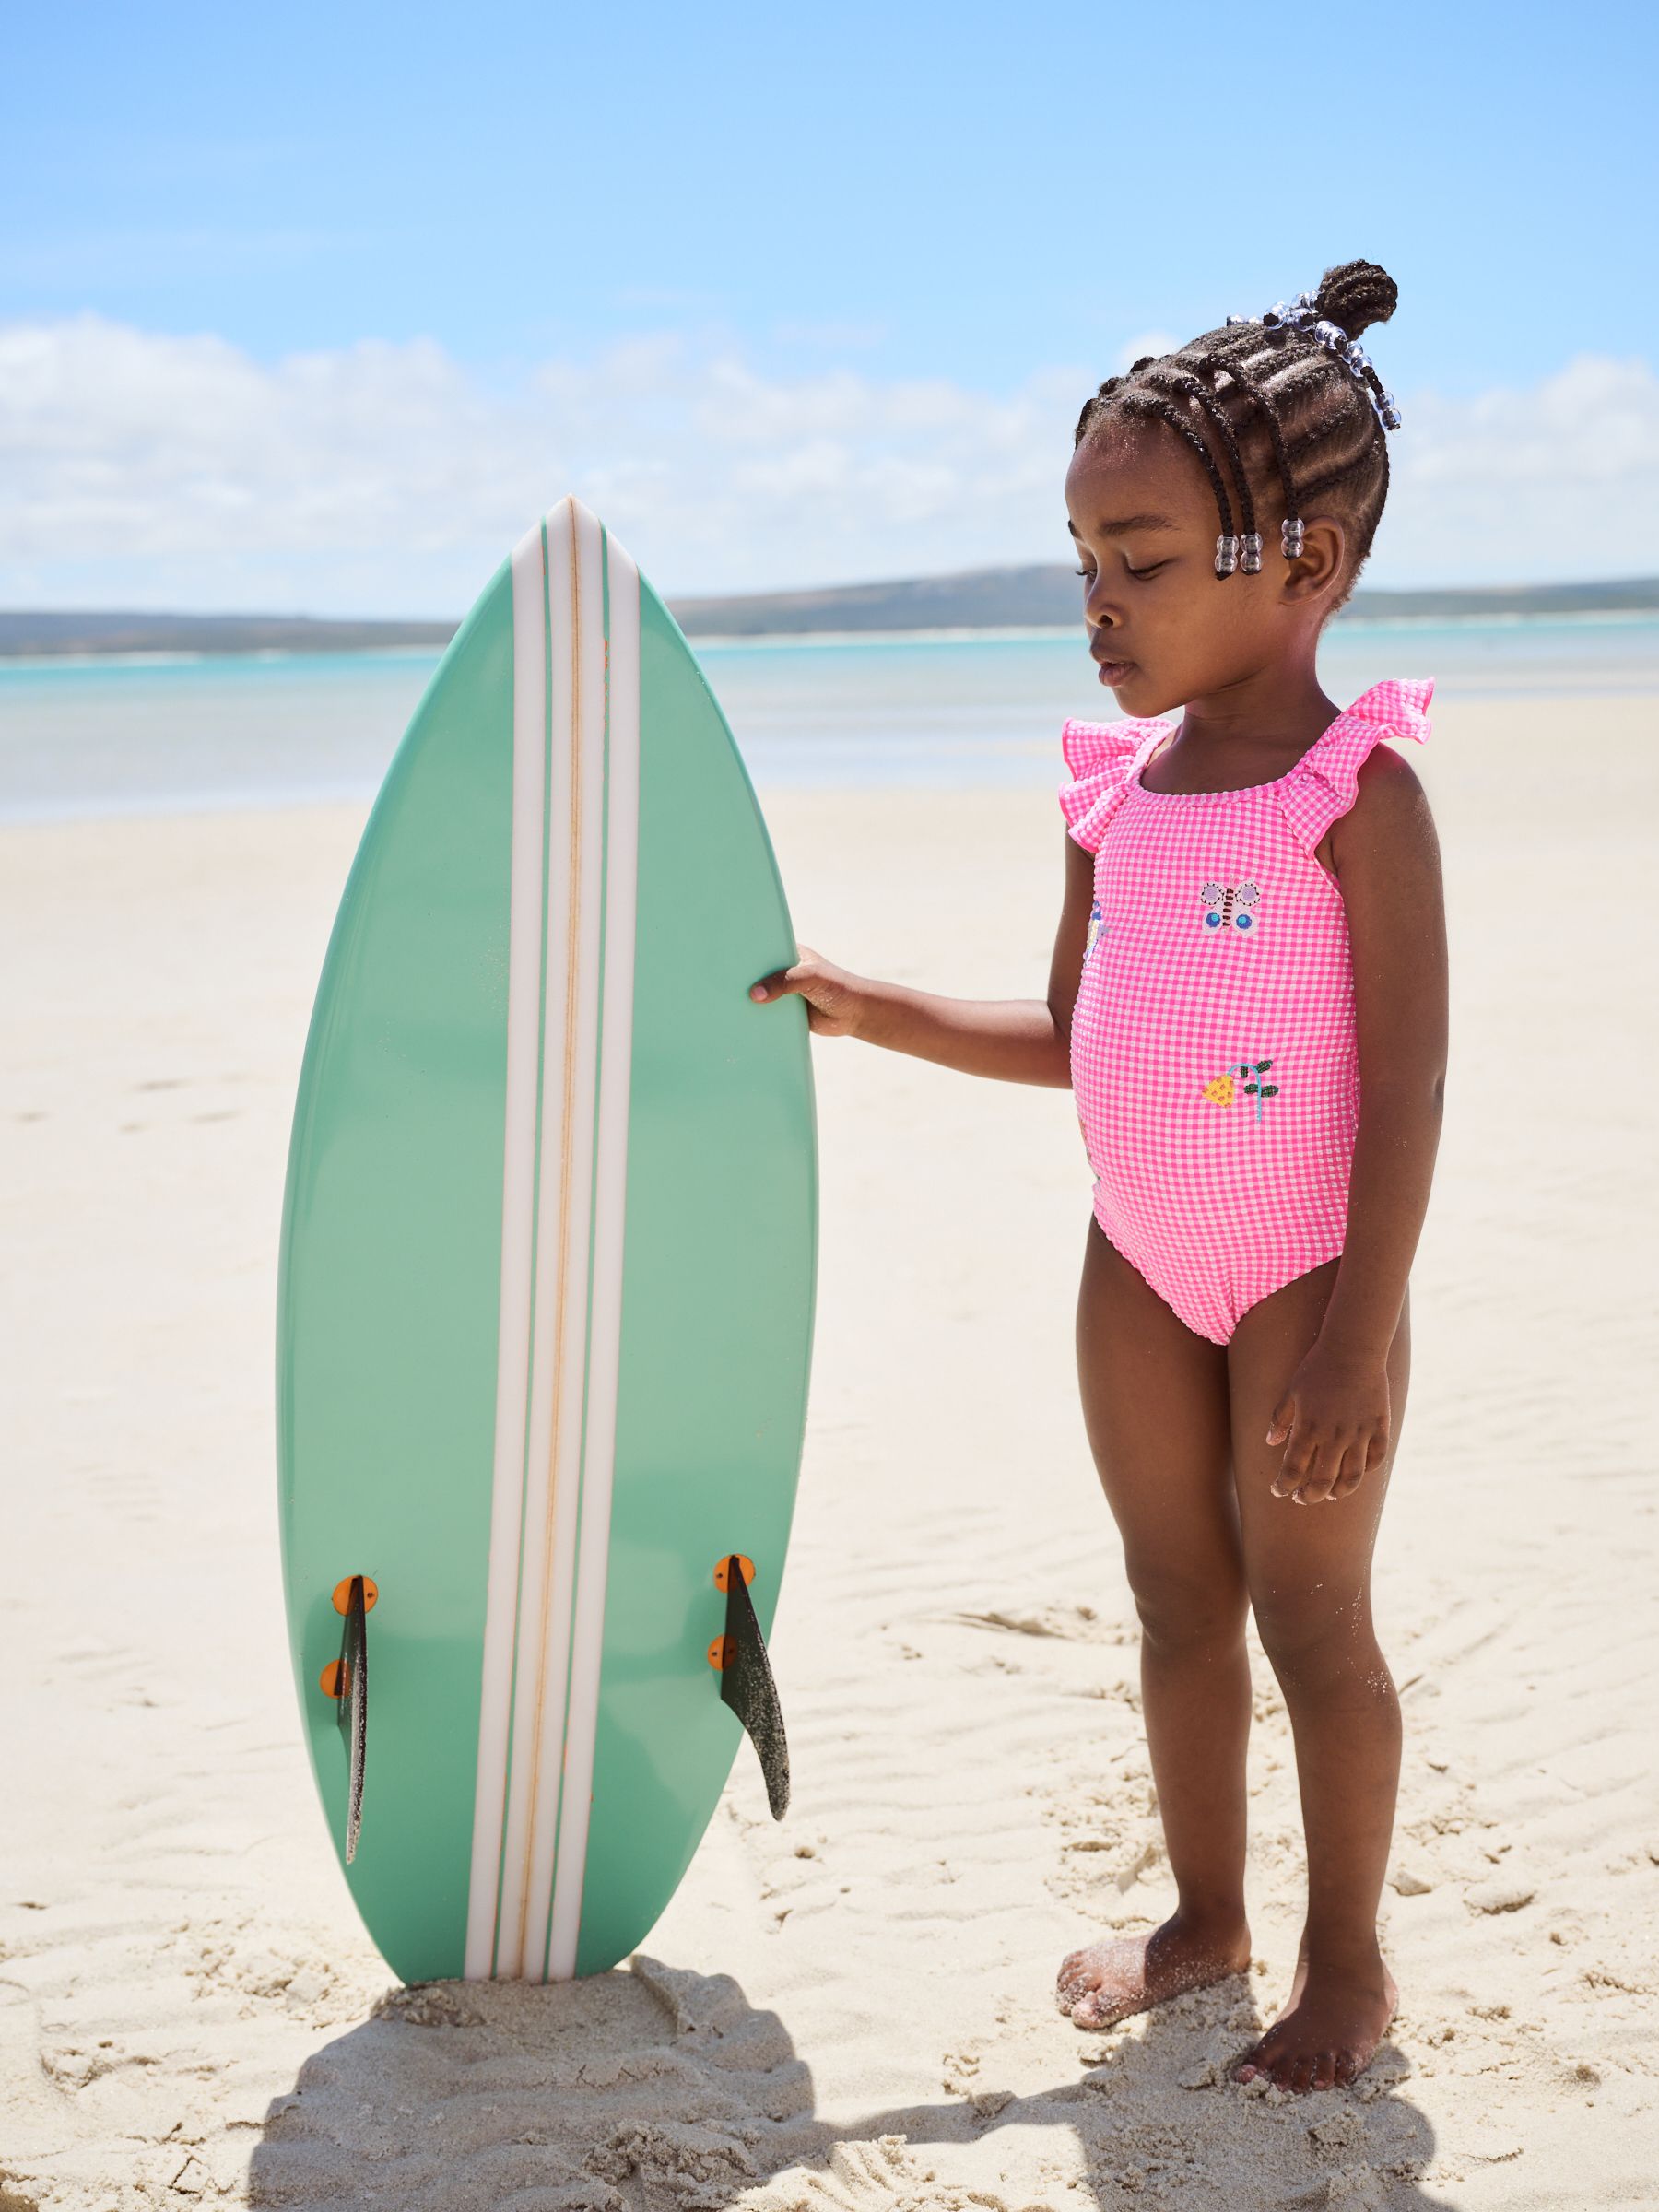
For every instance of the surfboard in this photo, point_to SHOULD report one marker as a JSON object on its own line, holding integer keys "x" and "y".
{"x": 545, "y": 1308}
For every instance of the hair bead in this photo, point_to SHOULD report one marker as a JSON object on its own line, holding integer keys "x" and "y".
{"x": 1290, "y": 537}
{"x": 1250, "y": 553}
{"x": 1227, "y": 555}
{"x": 1215, "y": 364}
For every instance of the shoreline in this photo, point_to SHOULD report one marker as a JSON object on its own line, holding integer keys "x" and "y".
{"x": 1345, "y": 625}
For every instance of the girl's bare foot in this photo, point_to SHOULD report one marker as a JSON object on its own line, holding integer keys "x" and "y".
{"x": 1328, "y": 2033}
{"x": 1107, "y": 1980}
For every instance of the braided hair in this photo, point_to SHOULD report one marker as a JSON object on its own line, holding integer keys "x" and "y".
{"x": 1268, "y": 396}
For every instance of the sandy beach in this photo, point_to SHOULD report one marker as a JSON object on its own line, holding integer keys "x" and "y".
{"x": 851, "y": 2011}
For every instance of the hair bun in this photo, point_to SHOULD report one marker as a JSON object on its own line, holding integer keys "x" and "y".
{"x": 1357, "y": 295}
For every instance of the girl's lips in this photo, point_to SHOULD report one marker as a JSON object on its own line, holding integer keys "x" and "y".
{"x": 1114, "y": 672}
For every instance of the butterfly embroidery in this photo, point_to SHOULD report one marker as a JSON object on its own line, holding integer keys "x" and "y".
{"x": 1229, "y": 906}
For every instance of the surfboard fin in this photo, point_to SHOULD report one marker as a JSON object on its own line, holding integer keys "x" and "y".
{"x": 747, "y": 1686}
{"x": 352, "y": 1693}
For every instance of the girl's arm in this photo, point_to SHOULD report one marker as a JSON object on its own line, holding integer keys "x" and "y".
{"x": 1388, "y": 862}
{"x": 1018, "y": 1039}
{"x": 1334, "y": 1411}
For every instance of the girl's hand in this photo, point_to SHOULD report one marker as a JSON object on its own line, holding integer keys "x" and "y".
{"x": 833, "y": 998}
{"x": 1336, "y": 1415}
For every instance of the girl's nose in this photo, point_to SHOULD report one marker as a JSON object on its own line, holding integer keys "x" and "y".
{"x": 1100, "y": 611}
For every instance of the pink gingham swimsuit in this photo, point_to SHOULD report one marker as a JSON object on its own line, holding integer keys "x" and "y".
{"x": 1214, "y": 1055}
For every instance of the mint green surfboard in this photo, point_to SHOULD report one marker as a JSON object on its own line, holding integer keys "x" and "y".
{"x": 546, "y": 1290}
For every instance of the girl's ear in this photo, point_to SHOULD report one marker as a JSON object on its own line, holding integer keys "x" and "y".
{"x": 1317, "y": 569}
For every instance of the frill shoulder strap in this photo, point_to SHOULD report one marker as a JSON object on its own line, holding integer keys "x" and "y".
{"x": 1102, "y": 756}
{"x": 1326, "y": 782}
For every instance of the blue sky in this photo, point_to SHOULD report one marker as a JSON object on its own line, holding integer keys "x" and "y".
{"x": 846, "y": 209}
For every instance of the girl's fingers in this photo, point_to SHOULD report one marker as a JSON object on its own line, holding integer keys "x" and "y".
{"x": 1360, "y": 1460}
{"x": 1327, "y": 1466}
{"x": 776, "y": 984}
{"x": 783, "y": 980}
{"x": 1357, "y": 1465}
{"x": 1281, "y": 1429}
{"x": 1341, "y": 1469}
{"x": 1348, "y": 1467}
{"x": 828, "y": 993}
{"x": 1318, "y": 1469}
{"x": 1328, "y": 1473}
{"x": 1294, "y": 1469}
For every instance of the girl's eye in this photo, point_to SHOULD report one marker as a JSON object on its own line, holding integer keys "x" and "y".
{"x": 1088, "y": 572}
{"x": 1149, "y": 572}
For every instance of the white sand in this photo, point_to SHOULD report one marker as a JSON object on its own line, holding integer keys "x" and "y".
{"x": 851, "y": 2010}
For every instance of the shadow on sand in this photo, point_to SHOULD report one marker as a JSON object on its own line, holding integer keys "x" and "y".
{"x": 660, "y": 2088}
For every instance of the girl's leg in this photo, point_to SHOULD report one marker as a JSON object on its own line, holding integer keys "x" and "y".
{"x": 1309, "y": 1569}
{"x": 1154, "y": 1402}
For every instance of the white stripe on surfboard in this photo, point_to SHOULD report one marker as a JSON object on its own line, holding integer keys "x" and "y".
{"x": 579, "y": 533}
{"x": 540, "y": 1673}
{"x": 610, "y": 1183}
{"x": 524, "y": 1012}
{"x": 574, "y": 858}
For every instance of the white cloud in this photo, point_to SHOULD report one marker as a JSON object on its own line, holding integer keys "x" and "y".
{"x": 1557, "y": 481}
{"x": 151, "y": 470}
{"x": 1153, "y": 342}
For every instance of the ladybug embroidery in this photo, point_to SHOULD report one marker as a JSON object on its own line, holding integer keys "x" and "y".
{"x": 1229, "y": 906}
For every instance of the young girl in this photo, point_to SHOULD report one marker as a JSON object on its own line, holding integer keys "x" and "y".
{"x": 1252, "y": 923}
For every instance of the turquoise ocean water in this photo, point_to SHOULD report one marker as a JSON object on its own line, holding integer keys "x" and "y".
{"x": 166, "y": 734}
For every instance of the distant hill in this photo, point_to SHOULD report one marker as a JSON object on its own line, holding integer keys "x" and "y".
{"x": 1028, "y": 598}
{"x": 1049, "y": 597}
{"x": 1039, "y": 598}
{"x": 64, "y": 633}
